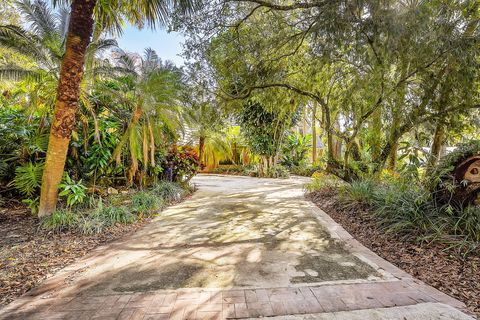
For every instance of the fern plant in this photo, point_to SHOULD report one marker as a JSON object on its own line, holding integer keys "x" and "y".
{"x": 28, "y": 178}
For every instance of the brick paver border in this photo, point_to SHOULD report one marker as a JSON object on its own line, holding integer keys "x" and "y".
{"x": 229, "y": 304}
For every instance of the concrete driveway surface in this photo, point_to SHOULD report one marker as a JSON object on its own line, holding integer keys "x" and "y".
{"x": 240, "y": 247}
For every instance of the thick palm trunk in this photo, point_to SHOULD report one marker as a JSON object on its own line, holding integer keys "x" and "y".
{"x": 66, "y": 104}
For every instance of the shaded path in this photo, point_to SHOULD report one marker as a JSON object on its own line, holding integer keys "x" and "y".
{"x": 240, "y": 247}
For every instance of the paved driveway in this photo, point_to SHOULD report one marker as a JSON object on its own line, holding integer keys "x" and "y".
{"x": 239, "y": 247}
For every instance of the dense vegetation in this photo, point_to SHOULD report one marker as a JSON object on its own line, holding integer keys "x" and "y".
{"x": 130, "y": 117}
{"x": 383, "y": 90}
{"x": 374, "y": 92}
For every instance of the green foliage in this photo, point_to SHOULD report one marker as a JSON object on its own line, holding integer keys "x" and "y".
{"x": 32, "y": 204}
{"x": 169, "y": 191}
{"x": 464, "y": 225}
{"x": 113, "y": 214}
{"x": 407, "y": 209}
{"x": 60, "y": 220}
{"x": 295, "y": 149}
{"x": 359, "y": 192}
{"x": 264, "y": 129}
{"x": 145, "y": 203}
{"x": 75, "y": 192}
{"x": 230, "y": 169}
{"x": 323, "y": 180}
{"x": 89, "y": 225}
{"x": 305, "y": 170}
{"x": 28, "y": 178}
{"x": 441, "y": 176}
{"x": 119, "y": 209}
{"x": 277, "y": 171}
{"x": 180, "y": 164}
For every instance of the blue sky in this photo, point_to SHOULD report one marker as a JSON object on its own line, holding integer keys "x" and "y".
{"x": 167, "y": 45}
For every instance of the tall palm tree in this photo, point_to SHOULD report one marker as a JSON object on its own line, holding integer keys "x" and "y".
{"x": 43, "y": 45}
{"x": 147, "y": 93}
{"x": 80, "y": 31}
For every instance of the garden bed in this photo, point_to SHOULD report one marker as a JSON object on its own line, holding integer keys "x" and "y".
{"x": 29, "y": 254}
{"x": 432, "y": 263}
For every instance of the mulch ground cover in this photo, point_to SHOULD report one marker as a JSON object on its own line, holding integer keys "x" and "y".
{"x": 432, "y": 263}
{"x": 28, "y": 254}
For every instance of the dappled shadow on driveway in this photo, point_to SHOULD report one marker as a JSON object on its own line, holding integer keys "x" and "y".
{"x": 234, "y": 232}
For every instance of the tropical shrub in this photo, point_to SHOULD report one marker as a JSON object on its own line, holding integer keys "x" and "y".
{"x": 305, "y": 170}
{"x": 229, "y": 169}
{"x": 409, "y": 210}
{"x": 75, "y": 192}
{"x": 446, "y": 181}
{"x": 323, "y": 180}
{"x": 295, "y": 149}
{"x": 116, "y": 209}
{"x": 180, "y": 164}
{"x": 264, "y": 128}
{"x": 113, "y": 214}
{"x": 277, "y": 171}
{"x": 359, "y": 192}
{"x": 89, "y": 225}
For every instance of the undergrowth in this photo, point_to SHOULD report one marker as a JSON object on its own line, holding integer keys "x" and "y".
{"x": 118, "y": 209}
{"x": 408, "y": 210}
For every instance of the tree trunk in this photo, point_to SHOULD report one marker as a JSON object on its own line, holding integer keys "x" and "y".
{"x": 80, "y": 30}
{"x": 314, "y": 133}
{"x": 436, "y": 148}
{"x": 201, "y": 148}
{"x": 392, "y": 157}
{"x": 304, "y": 121}
{"x": 327, "y": 126}
{"x": 376, "y": 138}
{"x": 337, "y": 144}
{"x": 393, "y": 142}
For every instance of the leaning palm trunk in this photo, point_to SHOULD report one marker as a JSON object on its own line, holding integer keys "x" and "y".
{"x": 66, "y": 104}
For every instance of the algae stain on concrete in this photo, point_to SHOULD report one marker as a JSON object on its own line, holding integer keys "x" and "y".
{"x": 173, "y": 276}
{"x": 334, "y": 264}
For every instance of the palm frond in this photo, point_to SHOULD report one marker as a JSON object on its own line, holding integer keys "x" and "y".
{"x": 63, "y": 17}
{"x": 150, "y": 61}
{"x": 16, "y": 73}
{"x": 127, "y": 62}
{"x": 101, "y": 45}
{"x": 39, "y": 15}
{"x": 157, "y": 12}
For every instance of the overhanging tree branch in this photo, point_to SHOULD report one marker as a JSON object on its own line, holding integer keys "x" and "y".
{"x": 279, "y": 7}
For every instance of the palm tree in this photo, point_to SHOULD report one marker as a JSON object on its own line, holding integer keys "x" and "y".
{"x": 80, "y": 30}
{"x": 203, "y": 117}
{"x": 43, "y": 46}
{"x": 147, "y": 93}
